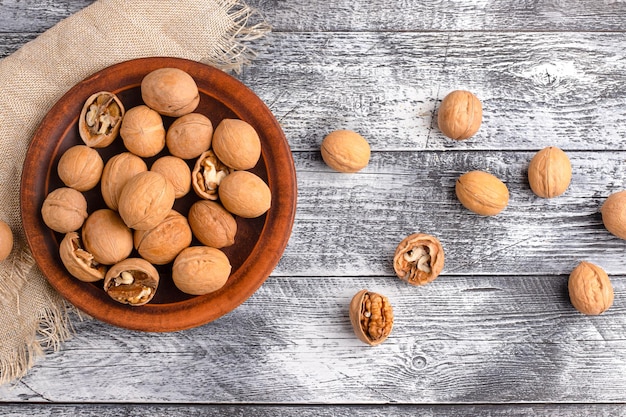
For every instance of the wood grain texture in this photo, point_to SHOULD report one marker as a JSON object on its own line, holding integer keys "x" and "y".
{"x": 24, "y": 16}
{"x": 457, "y": 340}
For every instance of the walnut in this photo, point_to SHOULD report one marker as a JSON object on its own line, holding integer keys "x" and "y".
{"x": 614, "y": 214}
{"x": 106, "y": 237}
{"x": 200, "y": 270}
{"x": 207, "y": 175}
{"x": 212, "y": 224}
{"x": 176, "y": 171}
{"x": 418, "y": 259}
{"x": 371, "y": 316}
{"x": 6, "y": 240}
{"x": 549, "y": 172}
{"x": 100, "y": 119}
{"x": 460, "y": 115}
{"x": 80, "y": 167}
{"x": 163, "y": 242}
{"x": 237, "y": 144}
{"x": 133, "y": 281}
{"x": 170, "y": 91}
{"x": 189, "y": 136}
{"x": 79, "y": 262}
{"x": 482, "y": 193}
{"x": 117, "y": 171}
{"x": 345, "y": 151}
{"x": 64, "y": 210}
{"x": 146, "y": 200}
{"x": 142, "y": 131}
{"x": 245, "y": 194}
{"x": 590, "y": 289}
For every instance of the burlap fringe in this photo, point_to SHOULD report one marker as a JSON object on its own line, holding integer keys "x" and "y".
{"x": 232, "y": 53}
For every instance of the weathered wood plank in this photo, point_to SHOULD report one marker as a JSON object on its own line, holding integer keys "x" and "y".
{"x": 457, "y": 340}
{"x": 35, "y": 15}
{"x": 115, "y": 410}
{"x": 537, "y": 89}
{"x": 350, "y": 224}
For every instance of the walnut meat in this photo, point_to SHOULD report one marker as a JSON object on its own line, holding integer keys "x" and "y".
{"x": 212, "y": 224}
{"x": 200, "y": 270}
{"x": 237, "y": 144}
{"x": 142, "y": 131}
{"x": 146, "y": 200}
{"x": 590, "y": 289}
{"x": 614, "y": 214}
{"x": 207, "y": 175}
{"x": 78, "y": 262}
{"x": 170, "y": 91}
{"x": 176, "y": 171}
{"x": 549, "y": 172}
{"x": 460, "y": 115}
{"x": 106, "y": 237}
{"x": 80, "y": 167}
{"x": 189, "y": 136}
{"x": 245, "y": 194}
{"x": 133, "y": 281}
{"x": 371, "y": 316}
{"x": 117, "y": 171}
{"x": 163, "y": 242}
{"x": 100, "y": 119}
{"x": 482, "y": 193}
{"x": 418, "y": 259}
{"x": 6, "y": 240}
{"x": 345, "y": 151}
{"x": 64, "y": 210}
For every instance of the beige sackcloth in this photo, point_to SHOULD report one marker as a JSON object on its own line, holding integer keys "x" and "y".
{"x": 33, "y": 317}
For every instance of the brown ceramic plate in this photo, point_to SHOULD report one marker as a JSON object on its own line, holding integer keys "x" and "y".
{"x": 259, "y": 242}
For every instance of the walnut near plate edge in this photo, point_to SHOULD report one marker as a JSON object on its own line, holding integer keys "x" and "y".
{"x": 198, "y": 310}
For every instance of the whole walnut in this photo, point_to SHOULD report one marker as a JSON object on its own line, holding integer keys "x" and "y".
{"x": 64, "y": 210}
{"x": 117, "y": 171}
{"x": 6, "y": 240}
{"x": 212, "y": 224}
{"x": 200, "y": 270}
{"x": 106, "y": 237}
{"x": 189, "y": 136}
{"x": 614, "y": 214}
{"x": 80, "y": 167}
{"x": 345, "y": 151}
{"x": 164, "y": 241}
{"x": 482, "y": 193}
{"x": 146, "y": 200}
{"x": 237, "y": 144}
{"x": 176, "y": 171}
{"x": 549, "y": 172}
{"x": 245, "y": 194}
{"x": 590, "y": 289}
{"x": 460, "y": 115}
{"x": 170, "y": 91}
{"x": 142, "y": 131}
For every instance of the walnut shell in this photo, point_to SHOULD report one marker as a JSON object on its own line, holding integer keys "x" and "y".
{"x": 163, "y": 242}
{"x": 207, "y": 175}
{"x": 106, "y": 237}
{"x": 117, "y": 171}
{"x": 133, "y": 281}
{"x": 590, "y": 289}
{"x": 614, "y": 214}
{"x": 80, "y": 167}
{"x": 176, "y": 171}
{"x": 212, "y": 224}
{"x": 146, "y": 200}
{"x": 199, "y": 270}
{"x": 237, "y": 144}
{"x": 345, "y": 151}
{"x": 371, "y": 316}
{"x": 78, "y": 262}
{"x": 6, "y": 240}
{"x": 170, "y": 91}
{"x": 189, "y": 136}
{"x": 245, "y": 194}
{"x": 460, "y": 115}
{"x": 549, "y": 172}
{"x": 482, "y": 193}
{"x": 100, "y": 119}
{"x": 64, "y": 210}
{"x": 418, "y": 259}
{"x": 142, "y": 131}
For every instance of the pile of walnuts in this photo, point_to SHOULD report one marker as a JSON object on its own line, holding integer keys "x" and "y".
{"x": 139, "y": 214}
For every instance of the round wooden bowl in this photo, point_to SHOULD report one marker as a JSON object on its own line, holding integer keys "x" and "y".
{"x": 259, "y": 242}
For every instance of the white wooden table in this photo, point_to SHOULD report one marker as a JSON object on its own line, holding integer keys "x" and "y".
{"x": 495, "y": 334}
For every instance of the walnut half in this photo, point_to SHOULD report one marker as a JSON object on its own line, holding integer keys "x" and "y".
{"x": 132, "y": 281}
{"x": 419, "y": 259}
{"x": 371, "y": 316}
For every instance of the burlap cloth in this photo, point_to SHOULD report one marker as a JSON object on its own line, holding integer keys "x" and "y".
{"x": 33, "y": 317}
